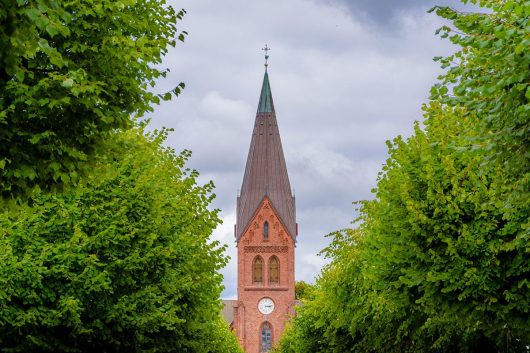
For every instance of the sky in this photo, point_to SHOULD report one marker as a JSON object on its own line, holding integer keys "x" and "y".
{"x": 345, "y": 75}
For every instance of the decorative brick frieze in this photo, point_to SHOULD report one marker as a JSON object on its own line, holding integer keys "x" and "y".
{"x": 275, "y": 289}
{"x": 266, "y": 249}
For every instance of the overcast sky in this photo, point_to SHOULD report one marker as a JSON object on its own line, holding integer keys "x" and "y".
{"x": 345, "y": 77}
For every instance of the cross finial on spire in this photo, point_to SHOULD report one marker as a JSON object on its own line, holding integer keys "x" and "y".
{"x": 266, "y": 50}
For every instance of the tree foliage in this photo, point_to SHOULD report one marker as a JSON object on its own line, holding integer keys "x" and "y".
{"x": 71, "y": 72}
{"x": 123, "y": 263}
{"x": 490, "y": 74}
{"x": 440, "y": 261}
{"x": 302, "y": 290}
{"x": 437, "y": 262}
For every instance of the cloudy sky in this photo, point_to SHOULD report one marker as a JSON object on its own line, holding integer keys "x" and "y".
{"x": 346, "y": 75}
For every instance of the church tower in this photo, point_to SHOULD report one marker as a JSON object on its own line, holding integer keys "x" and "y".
{"x": 265, "y": 233}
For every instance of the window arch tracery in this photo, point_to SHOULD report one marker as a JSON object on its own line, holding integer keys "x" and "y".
{"x": 257, "y": 270}
{"x": 274, "y": 270}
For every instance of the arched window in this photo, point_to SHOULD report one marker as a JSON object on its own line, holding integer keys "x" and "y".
{"x": 266, "y": 339}
{"x": 274, "y": 270}
{"x": 257, "y": 270}
{"x": 266, "y": 231}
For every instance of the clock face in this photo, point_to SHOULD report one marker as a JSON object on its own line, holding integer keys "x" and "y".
{"x": 266, "y": 306}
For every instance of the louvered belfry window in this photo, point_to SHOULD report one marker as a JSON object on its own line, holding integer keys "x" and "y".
{"x": 257, "y": 270}
{"x": 274, "y": 270}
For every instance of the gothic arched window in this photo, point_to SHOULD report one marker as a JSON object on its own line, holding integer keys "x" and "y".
{"x": 257, "y": 270}
{"x": 266, "y": 337}
{"x": 266, "y": 231}
{"x": 274, "y": 270}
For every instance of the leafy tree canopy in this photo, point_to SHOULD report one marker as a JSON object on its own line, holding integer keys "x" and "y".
{"x": 122, "y": 263}
{"x": 440, "y": 259}
{"x": 437, "y": 262}
{"x": 71, "y": 72}
{"x": 302, "y": 290}
{"x": 490, "y": 76}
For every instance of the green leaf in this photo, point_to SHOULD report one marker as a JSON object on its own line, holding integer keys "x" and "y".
{"x": 52, "y": 31}
{"x": 112, "y": 250}
{"x": 20, "y": 75}
{"x": 81, "y": 47}
{"x": 68, "y": 83}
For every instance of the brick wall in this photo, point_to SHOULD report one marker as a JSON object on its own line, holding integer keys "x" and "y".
{"x": 248, "y": 320}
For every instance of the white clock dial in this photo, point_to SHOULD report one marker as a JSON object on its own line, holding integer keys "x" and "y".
{"x": 266, "y": 306}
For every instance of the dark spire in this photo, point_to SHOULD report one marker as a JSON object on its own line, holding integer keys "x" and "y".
{"x": 266, "y": 171}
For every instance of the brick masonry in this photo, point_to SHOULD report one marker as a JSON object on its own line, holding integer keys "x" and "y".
{"x": 248, "y": 320}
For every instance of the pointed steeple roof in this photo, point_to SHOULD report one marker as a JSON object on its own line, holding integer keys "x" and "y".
{"x": 266, "y": 171}
{"x": 265, "y": 99}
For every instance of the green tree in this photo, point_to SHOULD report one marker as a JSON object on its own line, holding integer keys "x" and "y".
{"x": 122, "y": 263}
{"x": 441, "y": 260}
{"x": 489, "y": 75}
{"x": 443, "y": 245}
{"x": 71, "y": 72}
{"x": 321, "y": 321}
{"x": 436, "y": 263}
{"x": 303, "y": 290}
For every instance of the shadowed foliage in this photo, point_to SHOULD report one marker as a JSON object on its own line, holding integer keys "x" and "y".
{"x": 71, "y": 72}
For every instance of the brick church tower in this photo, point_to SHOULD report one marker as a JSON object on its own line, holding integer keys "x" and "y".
{"x": 265, "y": 233}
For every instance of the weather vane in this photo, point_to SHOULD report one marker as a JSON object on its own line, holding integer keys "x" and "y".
{"x": 266, "y": 50}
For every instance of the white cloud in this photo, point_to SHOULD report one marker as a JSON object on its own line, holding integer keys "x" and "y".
{"x": 341, "y": 87}
{"x": 225, "y": 235}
